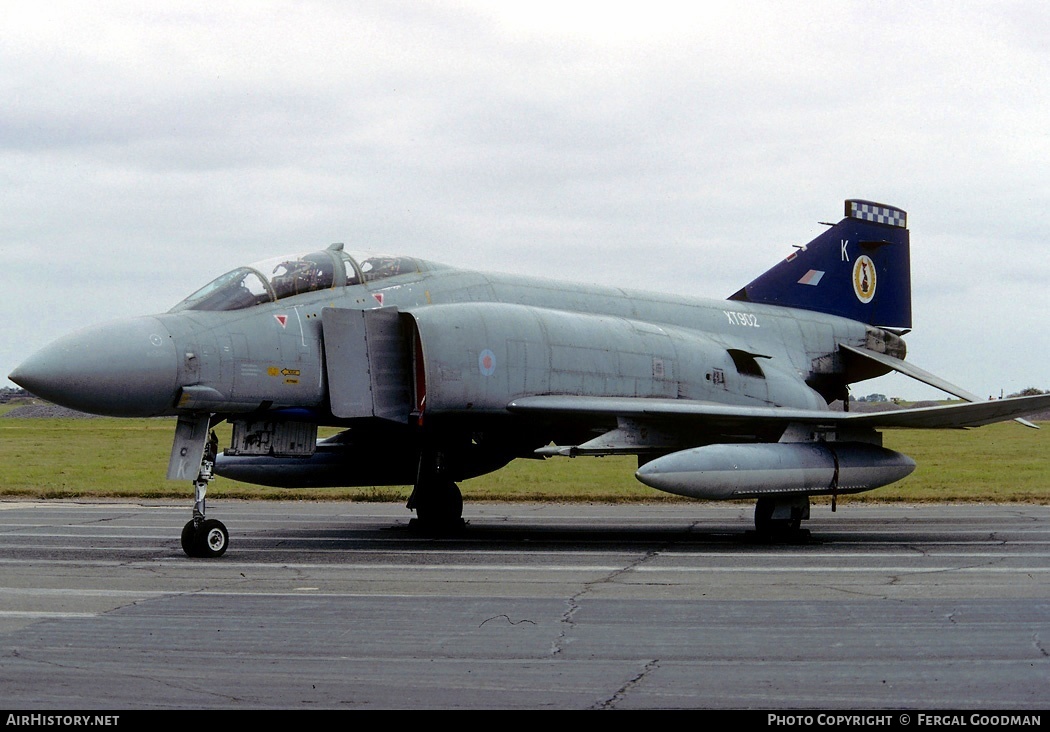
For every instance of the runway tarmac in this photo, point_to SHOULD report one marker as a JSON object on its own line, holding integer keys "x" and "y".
{"x": 535, "y": 606}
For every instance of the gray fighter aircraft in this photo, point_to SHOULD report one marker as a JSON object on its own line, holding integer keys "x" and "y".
{"x": 438, "y": 374}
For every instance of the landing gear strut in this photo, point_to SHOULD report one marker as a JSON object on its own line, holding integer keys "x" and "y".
{"x": 203, "y": 537}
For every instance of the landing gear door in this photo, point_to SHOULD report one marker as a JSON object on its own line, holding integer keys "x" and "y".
{"x": 368, "y": 363}
{"x": 187, "y": 451}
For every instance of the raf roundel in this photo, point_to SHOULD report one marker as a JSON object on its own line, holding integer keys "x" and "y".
{"x": 864, "y": 279}
{"x": 487, "y": 362}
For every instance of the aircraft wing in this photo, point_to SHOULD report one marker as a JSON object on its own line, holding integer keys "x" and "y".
{"x": 737, "y": 419}
{"x": 971, "y": 414}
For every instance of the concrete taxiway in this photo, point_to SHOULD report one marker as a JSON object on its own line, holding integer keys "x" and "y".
{"x": 342, "y": 606}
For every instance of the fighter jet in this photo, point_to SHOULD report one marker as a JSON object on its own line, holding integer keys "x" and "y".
{"x": 435, "y": 375}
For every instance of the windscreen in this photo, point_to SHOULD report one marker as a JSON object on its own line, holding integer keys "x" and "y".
{"x": 281, "y": 277}
{"x": 267, "y": 281}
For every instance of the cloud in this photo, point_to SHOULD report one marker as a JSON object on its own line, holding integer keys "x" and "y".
{"x": 144, "y": 150}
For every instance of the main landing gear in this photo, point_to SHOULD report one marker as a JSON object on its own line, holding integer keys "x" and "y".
{"x": 780, "y": 519}
{"x": 436, "y": 497}
{"x": 204, "y": 537}
{"x": 439, "y": 504}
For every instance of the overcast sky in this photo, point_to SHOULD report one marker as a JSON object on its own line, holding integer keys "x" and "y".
{"x": 147, "y": 147}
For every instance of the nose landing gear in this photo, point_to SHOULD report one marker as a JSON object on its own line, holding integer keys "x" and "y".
{"x": 203, "y": 537}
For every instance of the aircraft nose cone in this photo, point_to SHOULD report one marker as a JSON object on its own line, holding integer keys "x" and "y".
{"x": 123, "y": 369}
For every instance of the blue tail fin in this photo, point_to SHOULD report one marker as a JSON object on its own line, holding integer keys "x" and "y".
{"x": 860, "y": 268}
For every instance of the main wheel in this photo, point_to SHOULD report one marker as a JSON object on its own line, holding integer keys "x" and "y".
{"x": 439, "y": 505}
{"x": 767, "y": 525}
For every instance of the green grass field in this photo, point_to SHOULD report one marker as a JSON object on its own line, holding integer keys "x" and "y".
{"x": 77, "y": 458}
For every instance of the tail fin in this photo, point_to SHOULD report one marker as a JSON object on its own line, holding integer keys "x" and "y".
{"x": 860, "y": 268}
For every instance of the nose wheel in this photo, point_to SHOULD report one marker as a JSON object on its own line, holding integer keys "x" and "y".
{"x": 204, "y": 537}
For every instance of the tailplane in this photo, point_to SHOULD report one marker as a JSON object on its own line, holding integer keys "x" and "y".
{"x": 860, "y": 269}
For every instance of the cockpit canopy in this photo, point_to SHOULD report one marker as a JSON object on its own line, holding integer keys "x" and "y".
{"x": 280, "y": 277}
